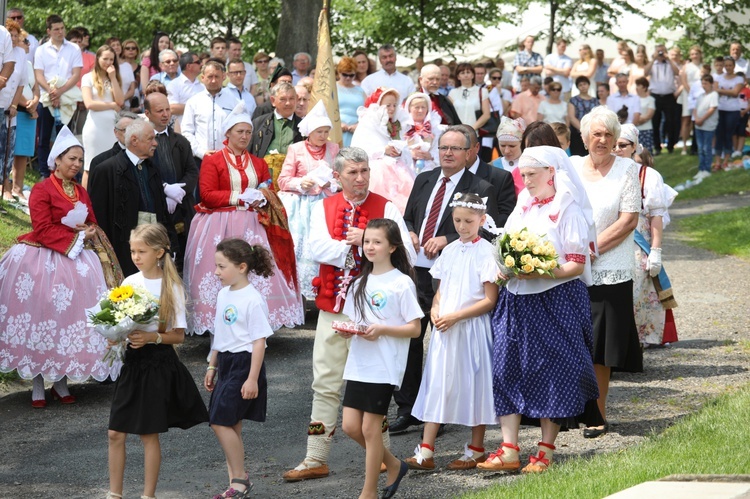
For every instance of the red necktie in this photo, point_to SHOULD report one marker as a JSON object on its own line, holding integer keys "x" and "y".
{"x": 437, "y": 203}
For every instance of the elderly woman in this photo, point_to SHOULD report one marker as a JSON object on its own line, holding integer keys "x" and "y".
{"x": 47, "y": 280}
{"x": 509, "y": 135}
{"x": 611, "y": 184}
{"x": 542, "y": 351}
{"x": 472, "y": 103}
{"x": 650, "y": 312}
{"x": 307, "y": 177}
{"x": 237, "y": 200}
{"x": 351, "y": 97}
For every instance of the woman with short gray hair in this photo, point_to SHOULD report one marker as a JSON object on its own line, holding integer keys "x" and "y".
{"x": 611, "y": 184}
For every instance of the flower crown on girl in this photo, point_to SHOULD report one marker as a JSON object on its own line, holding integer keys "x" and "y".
{"x": 465, "y": 204}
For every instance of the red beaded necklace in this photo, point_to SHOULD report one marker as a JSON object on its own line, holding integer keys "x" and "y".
{"x": 316, "y": 155}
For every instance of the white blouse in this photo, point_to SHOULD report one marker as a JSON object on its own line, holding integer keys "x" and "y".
{"x": 619, "y": 191}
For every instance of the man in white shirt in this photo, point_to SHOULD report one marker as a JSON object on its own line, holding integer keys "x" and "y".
{"x": 558, "y": 66}
{"x": 16, "y": 15}
{"x": 388, "y": 76}
{"x": 186, "y": 85}
{"x": 57, "y": 67}
{"x": 621, "y": 98}
{"x": 662, "y": 70}
{"x": 251, "y": 77}
{"x": 445, "y": 83}
{"x": 219, "y": 48}
{"x": 205, "y": 113}
{"x": 740, "y": 64}
{"x": 301, "y": 63}
{"x": 236, "y": 72}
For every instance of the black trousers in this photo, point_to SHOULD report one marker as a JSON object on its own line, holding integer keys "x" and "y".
{"x": 668, "y": 110}
{"x": 407, "y": 395}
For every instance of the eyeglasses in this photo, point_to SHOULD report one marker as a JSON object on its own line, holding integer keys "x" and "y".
{"x": 623, "y": 145}
{"x": 237, "y": 73}
{"x": 452, "y": 148}
{"x": 263, "y": 61}
{"x": 348, "y": 75}
{"x": 130, "y": 48}
{"x": 16, "y": 18}
{"x": 195, "y": 62}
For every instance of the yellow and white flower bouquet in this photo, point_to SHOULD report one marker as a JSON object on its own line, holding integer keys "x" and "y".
{"x": 524, "y": 253}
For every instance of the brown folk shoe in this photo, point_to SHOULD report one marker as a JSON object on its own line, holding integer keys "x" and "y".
{"x": 464, "y": 463}
{"x": 499, "y": 461}
{"x": 428, "y": 463}
{"x": 306, "y": 472}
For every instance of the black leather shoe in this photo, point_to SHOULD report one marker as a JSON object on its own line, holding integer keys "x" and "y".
{"x": 595, "y": 432}
{"x": 402, "y": 423}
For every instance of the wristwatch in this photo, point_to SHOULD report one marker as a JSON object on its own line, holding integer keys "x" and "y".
{"x": 158, "y": 339}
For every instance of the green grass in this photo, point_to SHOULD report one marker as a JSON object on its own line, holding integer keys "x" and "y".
{"x": 16, "y": 222}
{"x": 702, "y": 443}
{"x": 724, "y": 233}
{"x": 676, "y": 169}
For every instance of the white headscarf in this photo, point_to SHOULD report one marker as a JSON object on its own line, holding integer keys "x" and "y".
{"x": 238, "y": 115}
{"x": 568, "y": 190}
{"x": 629, "y": 132}
{"x": 316, "y": 118}
{"x": 64, "y": 141}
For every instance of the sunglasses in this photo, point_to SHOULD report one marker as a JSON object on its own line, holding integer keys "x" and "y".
{"x": 170, "y": 61}
{"x": 16, "y": 18}
{"x": 130, "y": 48}
{"x": 348, "y": 75}
{"x": 496, "y": 78}
{"x": 623, "y": 145}
{"x": 555, "y": 89}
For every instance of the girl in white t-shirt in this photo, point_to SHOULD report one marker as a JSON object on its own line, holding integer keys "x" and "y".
{"x": 456, "y": 384}
{"x": 154, "y": 391}
{"x": 384, "y": 299}
{"x": 240, "y": 330}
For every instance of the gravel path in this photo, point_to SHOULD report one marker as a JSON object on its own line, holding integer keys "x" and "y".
{"x": 61, "y": 451}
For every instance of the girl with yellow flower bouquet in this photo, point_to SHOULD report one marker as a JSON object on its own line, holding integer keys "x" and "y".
{"x": 542, "y": 364}
{"x": 154, "y": 391}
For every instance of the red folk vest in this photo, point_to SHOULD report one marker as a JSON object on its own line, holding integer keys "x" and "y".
{"x": 332, "y": 282}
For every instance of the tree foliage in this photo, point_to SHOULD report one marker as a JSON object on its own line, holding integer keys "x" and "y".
{"x": 712, "y": 24}
{"x": 575, "y": 19}
{"x": 412, "y": 26}
{"x": 190, "y": 23}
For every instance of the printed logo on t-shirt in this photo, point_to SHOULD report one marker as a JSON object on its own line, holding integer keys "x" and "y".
{"x": 378, "y": 300}
{"x": 230, "y": 315}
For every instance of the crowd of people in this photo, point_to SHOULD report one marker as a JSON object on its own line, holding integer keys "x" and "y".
{"x": 212, "y": 183}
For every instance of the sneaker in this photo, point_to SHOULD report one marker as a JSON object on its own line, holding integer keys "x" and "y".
{"x": 736, "y": 154}
{"x": 703, "y": 174}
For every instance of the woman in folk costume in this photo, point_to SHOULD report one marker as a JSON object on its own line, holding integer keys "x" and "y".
{"x": 509, "y": 135}
{"x": 237, "y": 200}
{"x": 379, "y": 132}
{"x": 48, "y": 279}
{"x": 542, "y": 362}
{"x": 307, "y": 177}
{"x": 653, "y": 307}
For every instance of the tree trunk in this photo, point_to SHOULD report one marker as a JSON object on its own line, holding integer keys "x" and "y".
{"x": 298, "y": 29}
{"x": 552, "y": 14}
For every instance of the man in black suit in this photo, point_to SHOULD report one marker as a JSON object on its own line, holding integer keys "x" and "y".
{"x": 499, "y": 178}
{"x": 279, "y": 129}
{"x": 124, "y": 118}
{"x": 429, "y": 80}
{"x": 174, "y": 160}
{"x": 454, "y": 148}
{"x": 116, "y": 192}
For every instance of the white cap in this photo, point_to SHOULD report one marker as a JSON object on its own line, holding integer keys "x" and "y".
{"x": 64, "y": 141}
{"x": 629, "y": 132}
{"x": 316, "y": 118}
{"x": 238, "y": 115}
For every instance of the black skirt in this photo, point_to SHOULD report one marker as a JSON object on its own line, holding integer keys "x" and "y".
{"x": 155, "y": 392}
{"x": 227, "y": 407}
{"x": 368, "y": 397}
{"x": 616, "y": 342}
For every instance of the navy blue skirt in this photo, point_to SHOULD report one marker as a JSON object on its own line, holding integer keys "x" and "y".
{"x": 227, "y": 407}
{"x": 542, "y": 363}
{"x": 155, "y": 392}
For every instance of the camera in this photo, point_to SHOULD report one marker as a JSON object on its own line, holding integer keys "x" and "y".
{"x": 661, "y": 53}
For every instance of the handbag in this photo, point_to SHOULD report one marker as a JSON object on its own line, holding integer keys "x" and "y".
{"x": 489, "y": 129}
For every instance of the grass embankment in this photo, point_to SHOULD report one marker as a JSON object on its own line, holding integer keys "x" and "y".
{"x": 676, "y": 169}
{"x": 15, "y": 222}
{"x": 702, "y": 443}
{"x": 724, "y": 233}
